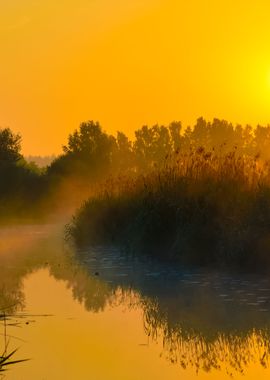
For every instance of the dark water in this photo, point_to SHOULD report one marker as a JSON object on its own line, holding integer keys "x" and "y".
{"x": 99, "y": 314}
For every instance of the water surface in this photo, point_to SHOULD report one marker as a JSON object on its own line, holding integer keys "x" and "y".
{"x": 98, "y": 314}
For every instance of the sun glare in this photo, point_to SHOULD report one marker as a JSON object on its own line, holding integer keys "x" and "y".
{"x": 268, "y": 79}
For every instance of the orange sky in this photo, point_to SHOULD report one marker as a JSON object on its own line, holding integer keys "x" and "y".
{"x": 127, "y": 63}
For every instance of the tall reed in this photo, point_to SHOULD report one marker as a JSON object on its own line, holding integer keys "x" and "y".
{"x": 201, "y": 207}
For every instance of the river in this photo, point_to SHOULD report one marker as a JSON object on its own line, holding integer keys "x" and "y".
{"x": 102, "y": 315}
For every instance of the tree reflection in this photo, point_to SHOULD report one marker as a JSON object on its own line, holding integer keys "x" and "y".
{"x": 205, "y": 321}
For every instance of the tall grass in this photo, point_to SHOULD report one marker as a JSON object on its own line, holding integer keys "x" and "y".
{"x": 202, "y": 207}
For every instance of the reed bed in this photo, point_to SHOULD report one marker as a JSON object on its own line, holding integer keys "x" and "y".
{"x": 202, "y": 207}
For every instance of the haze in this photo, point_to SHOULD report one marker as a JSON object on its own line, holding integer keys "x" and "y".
{"x": 129, "y": 63}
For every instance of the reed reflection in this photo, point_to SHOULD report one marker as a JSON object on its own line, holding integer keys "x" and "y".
{"x": 205, "y": 321}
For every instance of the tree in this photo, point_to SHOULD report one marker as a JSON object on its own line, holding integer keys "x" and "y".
{"x": 88, "y": 153}
{"x": 175, "y": 131}
{"x": 123, "y": 157}
{"x": 152, "y": 145}
{"x": 262, "y": 141}
{"x": 10, "y": 146}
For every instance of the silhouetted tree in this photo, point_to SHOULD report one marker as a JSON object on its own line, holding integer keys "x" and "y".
{"x": 200, "y": 134}
{"x": 10, "y": 146}
{"x": 91, "y": 154}
{"x": 262, "y": 141}
{"x": 151, "y": 146}
{"x": 123, "y": 156}
{"x": 88, "y": 153}
{"x": 175, "y": 129}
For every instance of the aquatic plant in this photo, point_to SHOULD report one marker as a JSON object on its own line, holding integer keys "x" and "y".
{"x": 6, "y": 358}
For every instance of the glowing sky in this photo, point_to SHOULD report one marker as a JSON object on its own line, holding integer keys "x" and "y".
{"x": 127, "y": 63}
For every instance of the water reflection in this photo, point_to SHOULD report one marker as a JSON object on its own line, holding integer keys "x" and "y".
{"x": 205, "y": 321}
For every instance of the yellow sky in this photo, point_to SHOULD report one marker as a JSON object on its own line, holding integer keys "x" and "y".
{"x": 127, "y": 63}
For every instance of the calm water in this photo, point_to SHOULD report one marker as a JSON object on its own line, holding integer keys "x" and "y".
{"x": 100, "y": 315}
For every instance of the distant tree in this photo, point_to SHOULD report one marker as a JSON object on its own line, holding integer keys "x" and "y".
{"x": 151, "y": 146}
{"x": 175, "y": 129}
{"x": 238, "y": 140}
{"x": 41, "y": 161}
{"x": 123, "y": 155}
{"x": 88, "y": 153}
{"x": 200, "y": 134}
{"x": 10, "y": 146}
{"x": 262, "y": 141}
{"x": 142, "y": 146}
{"x": 21, "y": 184}
{"x": 248, "y": 140}
{"x": 161, "y": 143}
{"x": 187, "y": 140}
{"x": 222, "y": 135}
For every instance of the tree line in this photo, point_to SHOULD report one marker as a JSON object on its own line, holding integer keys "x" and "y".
{"x": 91, "y": 152}
{"x": 91, "y": 155}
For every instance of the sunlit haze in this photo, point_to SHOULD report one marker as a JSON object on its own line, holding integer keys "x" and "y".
{"x": 127, "y": 63}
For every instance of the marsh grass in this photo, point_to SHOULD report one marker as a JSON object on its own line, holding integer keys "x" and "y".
{"x": 7, "y": 356}
{"x": 201, "y": 207}
{"x": 6, "y": 360}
